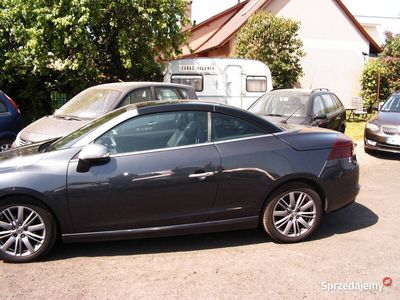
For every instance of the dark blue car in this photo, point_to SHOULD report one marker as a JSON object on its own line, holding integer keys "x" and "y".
{"x": 10, "y": 121}
{"x": 170, "y": 168}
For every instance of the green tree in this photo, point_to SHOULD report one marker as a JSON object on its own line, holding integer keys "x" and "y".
{"x": 384, "y": 71}
{"x": 273, "y": 40}
{"x": 68, "y": 45}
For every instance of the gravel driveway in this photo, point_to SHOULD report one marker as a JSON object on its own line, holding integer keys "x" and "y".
{"x": 355, "y": 246}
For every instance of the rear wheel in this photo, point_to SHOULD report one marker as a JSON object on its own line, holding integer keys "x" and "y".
{"x": 27, "y": 231}
{"x": 293, "y": 212}
{"x": 5, "y": 144}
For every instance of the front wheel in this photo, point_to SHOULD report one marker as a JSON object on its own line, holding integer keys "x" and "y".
{"x": 293, "y": 212}
{"x": 27, "y": 231}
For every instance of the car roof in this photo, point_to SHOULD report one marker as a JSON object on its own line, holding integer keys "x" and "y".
{"x": 122, "y": 86}
{"x": 305, "y": 92}
{"x": 148, "y": 107}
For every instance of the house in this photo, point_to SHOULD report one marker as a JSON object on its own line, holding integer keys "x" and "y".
{"x": 335, "y": 43}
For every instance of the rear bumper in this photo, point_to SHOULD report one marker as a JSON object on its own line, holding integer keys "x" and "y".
{"x": 341, "y": 183}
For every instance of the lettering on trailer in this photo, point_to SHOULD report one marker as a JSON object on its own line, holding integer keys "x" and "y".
{"x": 196, "y": 69}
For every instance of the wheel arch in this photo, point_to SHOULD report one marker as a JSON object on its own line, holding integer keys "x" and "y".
{"x": 312, "y": 183}
{"x": 36, "y": 201}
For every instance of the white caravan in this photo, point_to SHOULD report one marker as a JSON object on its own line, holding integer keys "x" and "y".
{"x": 238, "y": 82}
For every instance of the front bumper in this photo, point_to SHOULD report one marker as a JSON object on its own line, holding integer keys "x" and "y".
{"x": 381, "y": 142}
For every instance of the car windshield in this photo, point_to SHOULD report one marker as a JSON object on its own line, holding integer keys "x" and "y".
{"x": 281, "y": 105}
{"x": 392, "y": 104}
{"x": 89, "y": 104}
{"x": 73, "y": 137}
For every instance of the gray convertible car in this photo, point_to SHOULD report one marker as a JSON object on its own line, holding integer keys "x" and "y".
{"x": 171, "y": 168}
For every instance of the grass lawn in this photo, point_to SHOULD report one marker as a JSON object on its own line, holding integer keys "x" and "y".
{"x": 355, "y": 128}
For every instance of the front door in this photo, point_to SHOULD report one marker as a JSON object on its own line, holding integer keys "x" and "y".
{"x": 161, "y": 172}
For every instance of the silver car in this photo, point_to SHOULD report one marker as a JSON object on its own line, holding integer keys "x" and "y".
{"x": 95, "y": 102}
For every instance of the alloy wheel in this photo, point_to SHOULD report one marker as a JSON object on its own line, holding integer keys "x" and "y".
{"x": 22, "y": 231}
{"x": 294, "y": 214}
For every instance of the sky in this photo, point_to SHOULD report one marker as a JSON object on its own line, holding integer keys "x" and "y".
{"x": 366, "y": 11}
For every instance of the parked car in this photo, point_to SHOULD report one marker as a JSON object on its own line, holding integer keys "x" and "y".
{"x": 156, "y": 169}
{"x": 10, "y": 121}
{"x": 317, "y": 107}
{"x": 95, "y": 102}
{"x": 382, "y": 132}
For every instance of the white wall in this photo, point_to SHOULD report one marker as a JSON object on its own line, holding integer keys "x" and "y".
{"x": 333, "y": 45}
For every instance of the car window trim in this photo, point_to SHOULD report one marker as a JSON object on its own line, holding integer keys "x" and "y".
{"x": 181, "y": 147}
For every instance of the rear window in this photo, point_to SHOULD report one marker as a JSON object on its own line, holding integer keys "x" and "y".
{"x": 195, "y": 81}
{"x": 256, "y": 83}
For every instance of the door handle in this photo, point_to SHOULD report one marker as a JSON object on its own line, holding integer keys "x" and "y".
{"x": 201, "y": 175}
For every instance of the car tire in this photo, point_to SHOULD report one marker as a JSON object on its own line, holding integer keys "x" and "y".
{"x": 292, "y": 213}
{"x": 29, "y": 238}
{"x": 5, "y": 144}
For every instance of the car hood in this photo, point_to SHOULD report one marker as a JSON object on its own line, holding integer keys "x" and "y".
{"x": 50, "y": 127}
{"x": 20, "y": 157}
{"x": 15, "y": 160}
{"x": 387, "y": 118}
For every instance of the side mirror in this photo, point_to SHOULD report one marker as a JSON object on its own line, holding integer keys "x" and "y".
{"x": 321, "y": 117}
{"x": 380, "y": 105}
{"x": 93, "y": 154}
{"x": 320, "y": 120}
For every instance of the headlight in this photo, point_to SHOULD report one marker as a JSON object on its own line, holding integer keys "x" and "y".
{"x": 372, "y": 127}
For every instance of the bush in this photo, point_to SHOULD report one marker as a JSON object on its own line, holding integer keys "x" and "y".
{"x": 384, "y": 70}
{"x": 274, "y": 41}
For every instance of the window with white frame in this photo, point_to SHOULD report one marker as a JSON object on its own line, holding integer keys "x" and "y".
{"x": 256, "y": 84}
{"x": 195, "y": 81}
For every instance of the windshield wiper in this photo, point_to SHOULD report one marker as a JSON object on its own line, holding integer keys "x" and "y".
{"x": 68, "y": 117}
{"x": 274, "y": 115}
{"x": 44, "y": 147}
{"x": 291, "y": 115}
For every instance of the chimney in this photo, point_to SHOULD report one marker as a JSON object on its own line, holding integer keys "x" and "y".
{"x": 188, "y": 14}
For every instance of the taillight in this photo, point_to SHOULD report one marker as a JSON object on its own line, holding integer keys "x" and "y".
{"x": 12, "y": 103}
{"x": 342, "y": 148}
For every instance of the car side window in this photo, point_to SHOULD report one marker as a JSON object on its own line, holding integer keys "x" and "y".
{"x": 318, "y": 106}
{"x": 224, "y": 127}
{"x": 157, "y": 131}
{"x": 3, "y": 107}
{"x": 184, "y": 93}
{"x": 330, "y": 104}
{"x": 339, "y": 103}
{"x": 167, "y": 93}
{"x": 137, "y": 96}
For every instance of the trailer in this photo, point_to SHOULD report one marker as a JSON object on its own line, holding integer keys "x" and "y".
{"x": 237, "y": 82}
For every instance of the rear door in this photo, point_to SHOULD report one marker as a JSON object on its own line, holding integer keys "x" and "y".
{"x": 162, "y": 172}
{"x": 246, "y": 152}
{"x": 332, "y": 112}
